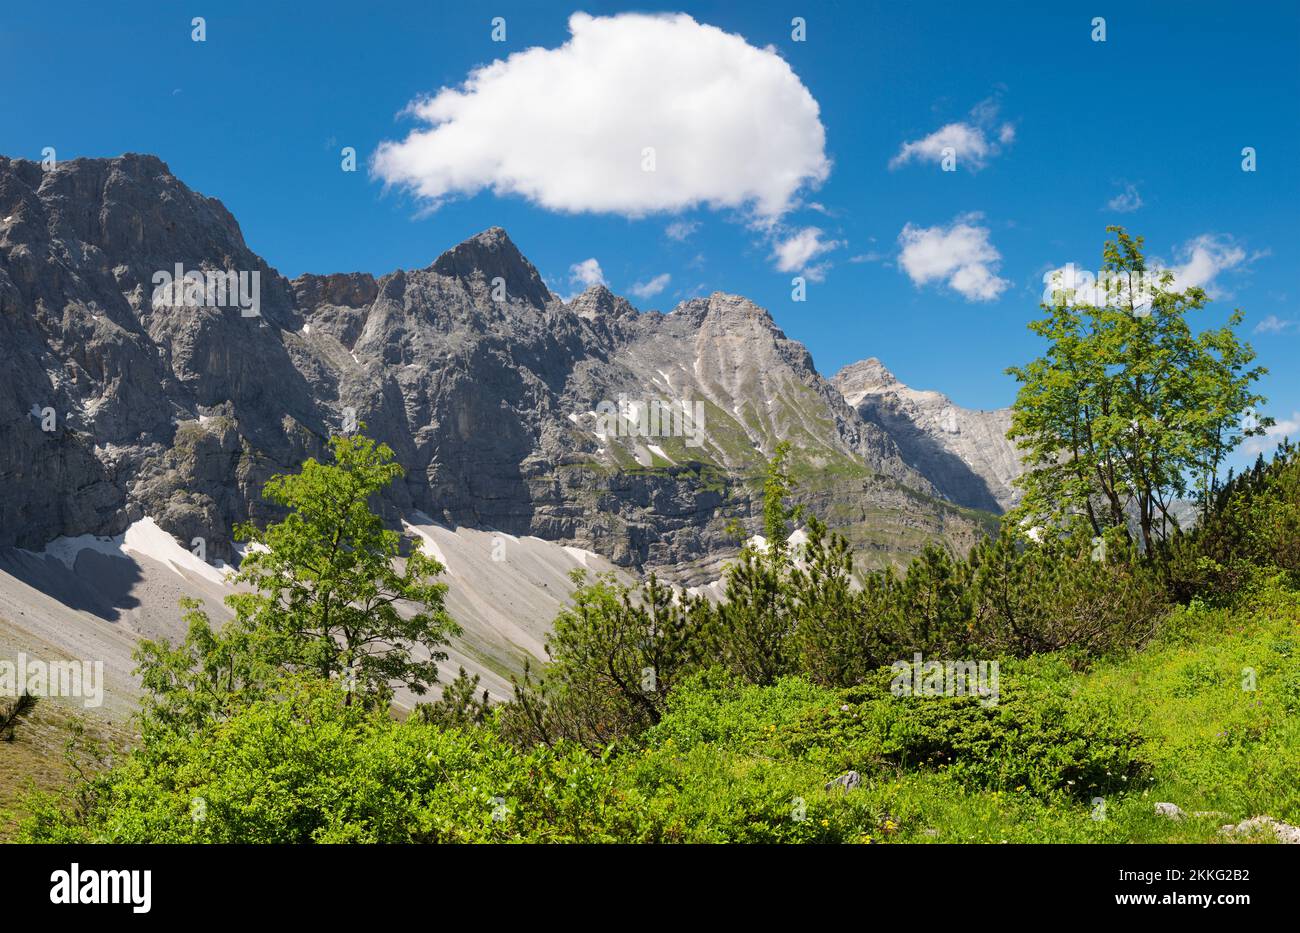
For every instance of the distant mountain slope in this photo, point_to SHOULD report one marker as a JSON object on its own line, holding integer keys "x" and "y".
{"x": 490, "y": 389}
{"x": 96, "y": 598}
{"x": 963, "y": 452}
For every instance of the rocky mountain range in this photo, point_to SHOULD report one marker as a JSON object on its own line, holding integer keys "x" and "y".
{"x": 963, "y": 452}
{"x": 639, "y": 436}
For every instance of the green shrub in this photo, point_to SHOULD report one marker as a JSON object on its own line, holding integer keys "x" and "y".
{"x": 616, "y": 655}
{"x": 1037, "y": 738}
{"x": 1250, "y": 531}
{"x": 306, "y": 767}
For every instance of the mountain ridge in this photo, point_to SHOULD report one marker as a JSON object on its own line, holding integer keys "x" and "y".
{"x": 482, "y": 381}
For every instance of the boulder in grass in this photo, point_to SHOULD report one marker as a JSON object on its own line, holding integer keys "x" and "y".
{"x": 846, "y": 781}
{"x": 1285, "y": 833}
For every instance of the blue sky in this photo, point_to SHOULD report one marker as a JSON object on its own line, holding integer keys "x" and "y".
{"x": 1152, "y": 122}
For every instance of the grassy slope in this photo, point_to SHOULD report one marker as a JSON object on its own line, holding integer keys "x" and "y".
{"x": 1211, "y": 746}
{"x": 37, "y": 757}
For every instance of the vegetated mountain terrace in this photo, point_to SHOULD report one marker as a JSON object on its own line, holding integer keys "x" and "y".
{"x": 488, "y": 387}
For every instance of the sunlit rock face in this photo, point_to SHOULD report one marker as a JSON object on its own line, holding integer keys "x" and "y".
{"x": 963, "y": 452}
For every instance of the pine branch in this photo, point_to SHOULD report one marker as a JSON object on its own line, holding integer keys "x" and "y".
{"x": 12, "y": 713}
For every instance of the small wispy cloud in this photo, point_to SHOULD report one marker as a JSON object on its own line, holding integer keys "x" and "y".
{"x": 796, "y": 252}
{"x": 973, "y": 141}
{"x": 1126, "y": 201}
{"x": 650, "y": 288}
{"x": 1272, "y": 324}
{"x": 681, "y": 230}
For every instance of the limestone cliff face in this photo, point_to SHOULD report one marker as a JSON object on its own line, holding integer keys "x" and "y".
{"x": 509, "y": 408}
{"x": 963, "y": 452}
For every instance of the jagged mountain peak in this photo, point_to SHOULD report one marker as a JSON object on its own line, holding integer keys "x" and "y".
{"x": 130, "y": 206}
{"x": 964, "y": 452}
{"x": 492, "y": 254}
{"x": 862, "y": 377}
{"x": 598, "y": 302}
{"x": 135, "y": 164}
{"x": 724, "y": 307}
{"x": 728, "y": 304}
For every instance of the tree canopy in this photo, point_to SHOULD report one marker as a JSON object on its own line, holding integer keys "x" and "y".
{"x": 1129, "y": 409}
{"x": 330, "y": 594}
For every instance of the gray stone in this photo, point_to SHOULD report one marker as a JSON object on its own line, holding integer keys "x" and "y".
{"x": 1284, "y": 833}
{"x": 847, "y": 781}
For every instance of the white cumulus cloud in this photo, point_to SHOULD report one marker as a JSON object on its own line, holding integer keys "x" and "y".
{"x": 959, "y": 255}
{"x": 796, "y": 251}
{"x": 652, "y": 287}
{"x": 575, "y": 128}
{"x": 1201, "y": 259}
{"x": 974, "y": 141}
{"x": 586, "y": 273}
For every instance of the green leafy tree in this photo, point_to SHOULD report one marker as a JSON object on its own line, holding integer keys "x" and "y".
{"x": 330, "y": 595}
{"x": 327, "y": 578}
{"x": 1129, "y": 409}
{"x": 208, "y": 676}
